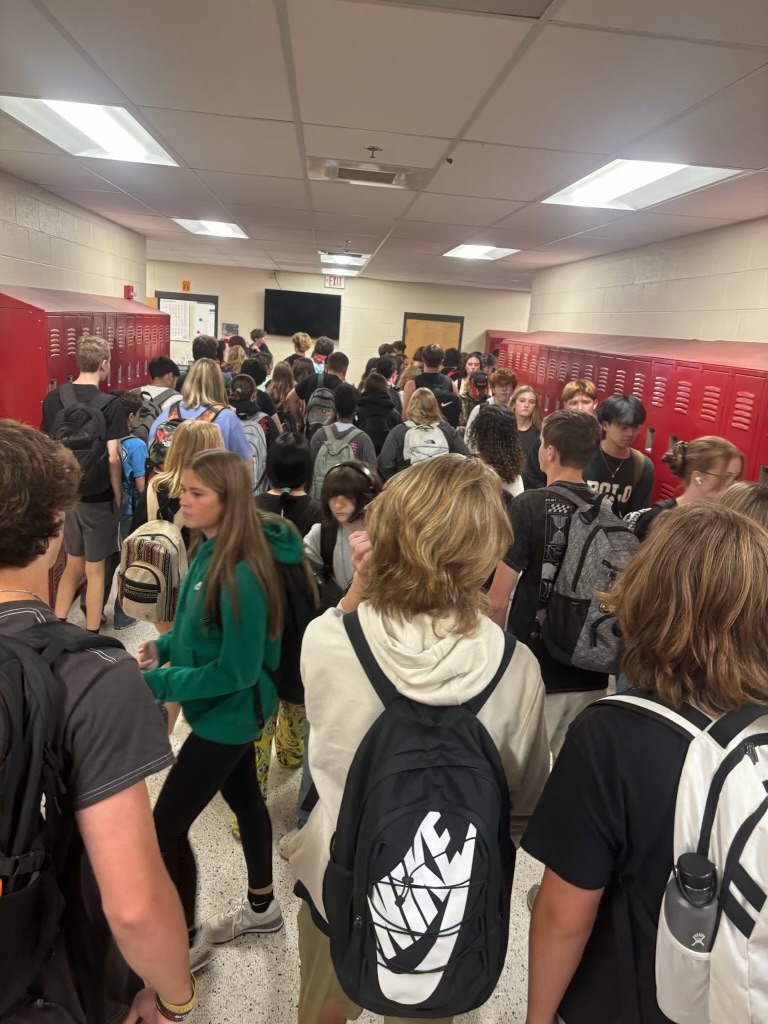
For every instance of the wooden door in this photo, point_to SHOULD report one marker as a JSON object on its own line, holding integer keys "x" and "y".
{"x": 420, "y": 329}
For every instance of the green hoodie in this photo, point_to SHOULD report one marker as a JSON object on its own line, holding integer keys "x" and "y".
{"x": 214, "y": 669}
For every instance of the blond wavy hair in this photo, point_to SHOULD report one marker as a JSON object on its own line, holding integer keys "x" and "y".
{"x": 204, "y": 385}
{"x": 188, "y": 439}
{"x": 423, "y": 408}
{"x": 236, "y": 356}
{"x": 301, "y": 343}
{"x": 425, "y": 562}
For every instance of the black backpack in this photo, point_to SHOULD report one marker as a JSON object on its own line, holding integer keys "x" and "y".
{"x": 418, "y": 886}
{"x": 330, "y": 591}
{"x": 151, "y": 409}
{"x": 301, "y": 607}
{"x": 82, "y": 427}
{"x": 32, "y": 702}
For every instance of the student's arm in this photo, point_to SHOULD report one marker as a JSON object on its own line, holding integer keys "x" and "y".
{"x": 562, "y": 921}
{"x": 455, "y": 389}
{"x": 641, "y": 495}
{"x": 139, "y": 900}
{"x": 456, "y": 443}
{"x": 115, "y": 471}
{"x": 502, "y": 588}
{"x": 294, "y": 405}
{"x": 140, "y": 482}
{"x": 241, "y": 654}
{"x": 408, "y": 390}
{"x": 278, "y": 424}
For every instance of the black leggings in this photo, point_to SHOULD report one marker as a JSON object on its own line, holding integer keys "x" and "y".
{"x": 202, "y": 769}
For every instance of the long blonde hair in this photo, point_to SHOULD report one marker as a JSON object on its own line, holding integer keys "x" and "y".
{"x": 204, "y": 385}
{"x": 525, "y": 389}
{"x": 281, "y": 384}
{"x": 240, "y": 538}
{"x": 236, "y": 356}
{"x": 705, "y": 643}
{"x": 423, "y": 408}
{"x": 427, "y": 562}
{"x": 188, "y": 439}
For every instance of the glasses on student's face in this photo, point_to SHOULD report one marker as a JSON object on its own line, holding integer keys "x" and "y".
{"x": 727, "y": 479}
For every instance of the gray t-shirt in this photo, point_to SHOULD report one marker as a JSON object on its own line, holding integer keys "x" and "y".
{"x": 114, "y": 736}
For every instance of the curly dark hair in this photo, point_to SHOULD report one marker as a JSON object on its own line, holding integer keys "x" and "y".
{"x": 493, "y": 433}
{"x": 39, "y": 482}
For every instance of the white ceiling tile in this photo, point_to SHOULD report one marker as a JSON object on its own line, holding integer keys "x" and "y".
{"x": 52, "y": 171}
{"x": 278, "y": 234}
{"x": 403, "y": 248}
{"x": 340, "y": 223}
{"x": 358, "y": 200}
{"x": 268, "y": 216}
{"x": 603, "y": 89}
{"x": 256, "y": 190}
{"x": 36, "y": 60}
{"x": 103, "y": 202}
{"x": 236, "y": 144}
{"x": 744, "y": 198}
{"x": 149, "y": 179}
{"x": 739, "y": 21}
{"x": 352, "y": 143}
{"x": 426, "y": 232}
{"x": 340, "y": 241}
{"x": 189, "y": 209}
{"x": 460, "y": 209}
{"x": 724, "y": 132}
{"x": 579, "y": 247}
{"x": 507, "y": 172}
{"x": 151, "y": 227}
{"x": 181, "y": 54}
{"x": 539, "y": 223}
{"x": 398, "y": 69}
{"x": 14, "y": 136}
{"x": 652, "y": 227}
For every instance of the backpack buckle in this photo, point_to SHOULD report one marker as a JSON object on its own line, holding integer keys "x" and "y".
{"x": 22, "y": 864}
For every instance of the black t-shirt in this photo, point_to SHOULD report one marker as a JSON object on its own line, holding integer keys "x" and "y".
{"x": 302, "y": 510}
{"x": 317, "y": 380}
{"x": 433, "y": 381}
{"x": 620, "y": 479}
{"x": 647, "y": 519}
{"x": 530, "y": 442}
{"x": 114, "y": 736}
{"x": 266, "y": 403}
{"x": 527, "y": 514}
{"x": 608, "y": 811}
{"x": 114, "y": 414}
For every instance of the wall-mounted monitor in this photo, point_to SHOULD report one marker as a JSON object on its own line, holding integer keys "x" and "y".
{"x": 286, "y": 313}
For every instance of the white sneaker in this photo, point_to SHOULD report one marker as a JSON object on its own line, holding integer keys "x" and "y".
{"x": 284, "y": 846}
{"x": 241, "y": 920}
{"x": 200, "y": 953}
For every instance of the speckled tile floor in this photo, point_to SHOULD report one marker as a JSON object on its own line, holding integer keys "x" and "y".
{"x": 256, "y": 979}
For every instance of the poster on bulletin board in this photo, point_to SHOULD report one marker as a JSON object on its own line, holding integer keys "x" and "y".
{"x": 229, "y": 330}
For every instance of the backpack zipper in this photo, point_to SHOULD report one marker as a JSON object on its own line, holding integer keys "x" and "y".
{"x": 585, "y": 549}
{"x": 729, "y": 762}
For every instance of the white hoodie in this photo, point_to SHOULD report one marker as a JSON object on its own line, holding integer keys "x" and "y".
{"x": 342, "y": 705}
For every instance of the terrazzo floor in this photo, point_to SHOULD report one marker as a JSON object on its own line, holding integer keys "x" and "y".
{"x": 256, "y": 979}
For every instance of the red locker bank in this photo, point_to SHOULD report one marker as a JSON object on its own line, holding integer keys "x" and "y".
{"x": 688, "y": 387}
{"x": 39, "y": 329}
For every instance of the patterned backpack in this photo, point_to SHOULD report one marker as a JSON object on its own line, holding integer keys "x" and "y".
{"x": 158, "y": 450}
{"x": 153, "y": 562}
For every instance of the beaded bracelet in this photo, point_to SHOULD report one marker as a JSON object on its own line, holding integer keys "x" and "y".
{"x": 177, "y": 1013}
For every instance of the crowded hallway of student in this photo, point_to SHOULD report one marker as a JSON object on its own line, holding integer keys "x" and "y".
{"x": 384, "y": 490}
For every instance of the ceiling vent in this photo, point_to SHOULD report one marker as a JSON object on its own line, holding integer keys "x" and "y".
{"x": 509, "y": 8}
{"x": 367, "y": 173}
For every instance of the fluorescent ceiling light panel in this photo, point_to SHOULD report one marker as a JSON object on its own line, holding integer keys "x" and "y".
{"x": 88, "y": 130}
{"x": 343, "y": 259}
{"x": 215, "y": 228}
{"x": 479, "y": 252}
{"x": 635, "y": 184}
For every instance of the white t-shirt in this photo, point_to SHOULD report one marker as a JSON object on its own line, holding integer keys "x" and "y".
{"x": 153, "y": 390}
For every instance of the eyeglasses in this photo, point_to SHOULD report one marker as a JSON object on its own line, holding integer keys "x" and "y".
{"x": 727, "y": 478}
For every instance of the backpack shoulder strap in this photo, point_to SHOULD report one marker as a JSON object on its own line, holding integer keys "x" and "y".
{"x": 354, "y": 432}
{"x": 163, "y": 397}
{"x": 729, "y": 726}
{"x": 174, "y": 413}
{"x": 476, "y": 704}
{"x": 68, "y": 394}
{"x": 329, "y": 434}
{"x": 688, "y": 721}
{"x": 638, "y": 466}
{"x": 153, "y": 503}
{"x": 327, "y": 546}
{"x": 385, "y": 689}
{"x": 52, "y": 639}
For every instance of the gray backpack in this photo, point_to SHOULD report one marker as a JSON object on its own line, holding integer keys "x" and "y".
{"x": 333, "y": 451}
{"x": 586, "y": 547}
{"x": 257, "y": 439}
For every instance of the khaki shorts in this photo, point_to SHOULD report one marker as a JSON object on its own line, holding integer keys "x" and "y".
{"x": 319, "y": 983}
{"x": 90, "y": 529}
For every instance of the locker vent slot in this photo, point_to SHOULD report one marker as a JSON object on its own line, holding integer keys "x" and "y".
{"x": 552, "y": 369}
{"x": 54, "y": 343}
{"x": 742, "y": 410}
{"x": 574, "y": 371}
{"x": 517, "y": 360}
{"x": 710, "y": 404}
{"x": 131, "y": 334}
{"x": 111, "y": 332}
{"x": 602, "y": 378}
{"x": 638, "y": 388}
{"x": 542, "y": 371}
{"x": 683, "y": 398}
{"x": 524, "y": 366}
{"x": 563, "y": 371}
{"x": 621, "y": 380}
{"x": 659, "y": 392}
{"x": 71, "y": 341}
{"x": 589, "y": 372}
{"x": 667, "y": 491}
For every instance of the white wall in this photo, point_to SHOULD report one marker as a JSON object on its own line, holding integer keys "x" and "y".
{"x": 371, "y": 311}
{"x": 712, "y": 285}
{"x": 46, "y": 242}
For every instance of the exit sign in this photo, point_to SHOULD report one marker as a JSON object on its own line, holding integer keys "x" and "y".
{"x": 334, "y": 281}
{"x": 186, "y": 286}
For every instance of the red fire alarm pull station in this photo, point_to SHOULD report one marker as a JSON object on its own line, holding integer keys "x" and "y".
{"x": 128, "y": 291}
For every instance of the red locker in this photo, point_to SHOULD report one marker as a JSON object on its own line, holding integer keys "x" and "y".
{"x": 744, "y": 417}
{"x": 39, "y": 331}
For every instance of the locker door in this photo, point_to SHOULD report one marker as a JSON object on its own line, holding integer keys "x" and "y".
{"x": 501, "y": 360}
{"x": 639, "y": 383}
{"x": 589, "y": 366}
{"x": 682, "y": 414}
{"x": 516, "y": 354}
{"x": 744, "y": 419}
{"x": 658, "y": 427}
{"x": 564, "y": 357}
{"x": 575, "y": 364}
{"x": 605, "y": 375}
{"x": 524, "y": 373}
{"x": 710, "y": 395}
{"x": 99, "y": 327}
{"x": 550, "y": 395}
{"x": 56, "y": 350}
{"x": 541, "y": 368}
{"x": 622, "y": 376}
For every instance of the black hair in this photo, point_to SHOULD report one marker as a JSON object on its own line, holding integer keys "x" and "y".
{"x": 337, "y": 362}
{"x": 418, "y": 355}
{"x": 369, "y": 366}
{"x": 289, "y": 462}
{"x": 399, "y": 346}
{"x": 161, "y": 365}
{"x": 323, "y": 346}
{"x": 257, "y": 334}
{"x": 487, "y": 361}
{"x": 386, "y": 348}
{"x": 386, "y": 366}
{"x": 493, "y": 433}
{"x": 242, "y": 388}
{"x": 354, "y": 480}
{"x": 237, "y": 340}
{"x": 204, "y": 347}
{"x": 255, "y": 368}
{"x": 345, "y": 400}
{"x": 376, "y": 382}
{"x": 131, "y": 401}
{"x": 432, "y": 356}
{"x": 626, "y": 410}
{"x": 451, "y": 357}
{"x": 221, "y": 349}
{"x": 302, "y": 368}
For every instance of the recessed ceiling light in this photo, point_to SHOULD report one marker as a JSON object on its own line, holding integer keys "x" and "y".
{"x": 479, "y": 252}
{"x": 344, "y": 259}
{"x": 88, "y": 129}
{"x": 635, "y": 184}
{"x": 211, "y": 227}
{"x": 340, "y": 272}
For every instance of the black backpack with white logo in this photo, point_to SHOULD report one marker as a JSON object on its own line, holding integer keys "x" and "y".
{"x": 418, "y": 887}
{"x": 33, "y": 800}
{"x": 82, "y": 427}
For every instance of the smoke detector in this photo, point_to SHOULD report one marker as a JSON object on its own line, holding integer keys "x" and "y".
{"x": 366, "y": 173}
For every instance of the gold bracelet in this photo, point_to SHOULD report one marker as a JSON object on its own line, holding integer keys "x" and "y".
{"x": 187, "y": 1007}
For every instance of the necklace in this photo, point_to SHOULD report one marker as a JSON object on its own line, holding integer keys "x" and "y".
{"x": 611, "y": 472}
{"x": 20, "y": 590}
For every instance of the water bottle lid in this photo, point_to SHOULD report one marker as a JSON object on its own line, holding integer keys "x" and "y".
{"x": 696, "y": 871}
